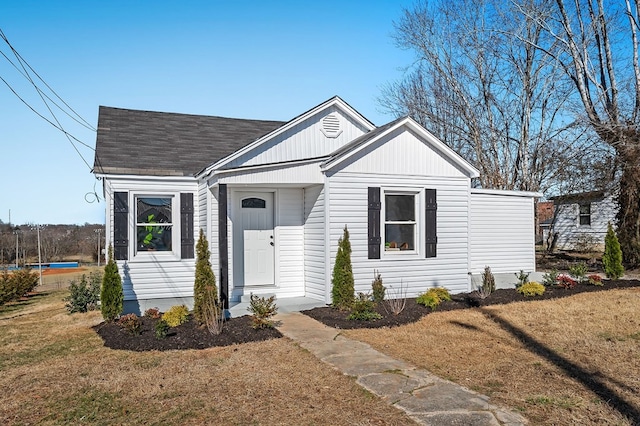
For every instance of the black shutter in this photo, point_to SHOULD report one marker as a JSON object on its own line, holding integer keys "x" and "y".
{"x": 430, "y": 210}
{"x": 374, "y": 222}
{"x": 120, "y": 225}
{"x": 223, "y": 250}
{"x": 186, "y": 225}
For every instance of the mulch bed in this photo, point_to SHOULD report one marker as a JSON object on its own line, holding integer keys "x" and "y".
{"x": 413, "y": 311}
{"x": 239, "y": 330}
{"x": 185, "y": 336}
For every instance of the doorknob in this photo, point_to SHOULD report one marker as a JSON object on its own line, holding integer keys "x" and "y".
{"x": 271, "y": 243}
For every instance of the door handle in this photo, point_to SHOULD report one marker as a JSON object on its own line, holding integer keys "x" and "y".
{"x": 271, "y": 243}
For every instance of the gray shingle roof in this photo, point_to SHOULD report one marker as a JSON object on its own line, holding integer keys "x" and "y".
{"x": 169, "y": 144}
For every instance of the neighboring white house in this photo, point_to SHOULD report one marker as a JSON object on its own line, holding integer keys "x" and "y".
{"x": 273, "y": 199}
{"x": 580, "y": 220}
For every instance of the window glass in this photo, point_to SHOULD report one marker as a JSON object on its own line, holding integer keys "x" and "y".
{"x": 153, "y": 223}
{"x": 585, "y": 214}
{"x": 400, "y": 224}
{"x": 253, "y": 203}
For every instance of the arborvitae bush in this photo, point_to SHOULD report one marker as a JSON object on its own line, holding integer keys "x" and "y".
{"x": 204, "y": 286}
{"x": 176, "y": 315}
{"x": 377, "y": 288}
{"x": 342, "y": 292}
{"x": 612, "y": 258}
{"x": 84, "y": 294}
{"x": 111, "y": 295}
{"x": 488, "y": 283}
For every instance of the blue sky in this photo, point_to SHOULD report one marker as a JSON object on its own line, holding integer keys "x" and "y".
{"x": 245, "y": 59}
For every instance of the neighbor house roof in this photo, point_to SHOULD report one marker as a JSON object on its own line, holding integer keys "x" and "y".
{"x": 581, "y": 197}
{"x": 169, "y": 144}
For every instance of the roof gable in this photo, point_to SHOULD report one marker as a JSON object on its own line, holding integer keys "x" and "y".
{"x": 169, "y": 144}
{"x": 368, "y": 140}
{"x": 244, "y": 155}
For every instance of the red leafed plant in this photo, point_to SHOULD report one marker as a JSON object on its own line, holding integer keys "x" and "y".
{"x": 595, "y": 279}
{"x": 565, "y": 281}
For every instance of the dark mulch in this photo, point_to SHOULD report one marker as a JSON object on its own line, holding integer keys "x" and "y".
{"x": 413, "y": 311}
{"x": 185, "y": 336}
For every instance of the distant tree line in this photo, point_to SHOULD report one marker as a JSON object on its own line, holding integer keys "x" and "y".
{"x": 57, "y": 243}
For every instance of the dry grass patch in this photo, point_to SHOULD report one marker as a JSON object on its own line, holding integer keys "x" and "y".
{"x": 55, "y": 370}
{"x": 567, "y": 361}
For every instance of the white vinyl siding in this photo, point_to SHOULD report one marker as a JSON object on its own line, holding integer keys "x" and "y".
{"x": 314, "y": 245}
{"x": 502, "y": 232}
{"x": 348, "y": 206}
{"x": 305, "y": 173}
{"x": 304, "y": 140}
{"x": 289, "y": 234}
{"x": 567, "y": 223}
{"x": 152, "y": 277}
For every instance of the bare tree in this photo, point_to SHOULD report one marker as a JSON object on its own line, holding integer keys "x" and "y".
{"x": 595, "y": 44}
{"x": 488, "y": 94}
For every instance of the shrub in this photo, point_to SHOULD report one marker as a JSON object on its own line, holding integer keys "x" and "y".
{"x": 397, "y": 300}
{"x": 342, "y": 291}
{"x": 488, "y": 283}
{"x": 565, "y": 281}
{"x": 152, "y": 313}
{"x": 262, "y": 309}
{"x": 212, "y": 311}
{"x": 7, "y": 292}
{"x": 363, "y": 308}
{"x": 24, "y": 281}
{"x": 377, "y": 288}
{"x": 531, "y": 288}
{"x": 550, "y": 278}
{"x": 612, "y": 258}
{"x": 595, "y": 279}
{"x": 433, "y": 297}
{"x": 205, "y": 292}
{"x": 579, "y": 271}
{"x": 111, "y": 295}
{"x": 84, "y": 294}
{"x": 131, "y": 323}
{"x": 161, "y": 329}
{"x": 522, "y": 278}
{"x": 176, "y": 315}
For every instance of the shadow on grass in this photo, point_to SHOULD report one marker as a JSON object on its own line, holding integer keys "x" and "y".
{"x": 17, "y": 305}
{"x": 589, "y": 380}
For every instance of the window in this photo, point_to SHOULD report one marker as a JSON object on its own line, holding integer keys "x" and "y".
{"x": 154, "y": 224}
{"x": 585, "y": 214}
{"x": 399, "y": 222}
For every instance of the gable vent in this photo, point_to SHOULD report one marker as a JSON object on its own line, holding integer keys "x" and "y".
{"x": 331, "y": 126}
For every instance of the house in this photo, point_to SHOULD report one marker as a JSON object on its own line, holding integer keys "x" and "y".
{"x": 580, "y": 220}
{"x": 274, "y": 197}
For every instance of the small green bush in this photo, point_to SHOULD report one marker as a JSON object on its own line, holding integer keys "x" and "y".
{"x": 176, "y": 315}
{"x": 579, "y": 271}
{"x": 262, "y": 309}
{"x": 152, "y": 313}
{"x": 17, "y": 284}
{"x": 433, "y": 297}
{"x": 522, "y": 277}
{"x": 550, "y": 278}
{"x": 612, "y": 258}
{"x": 84, "y": 294}
{"x": 488, "y": 283}
{"x": 131, "y": 323}
{"x": 363, "y": 309}
{"x": 377, "y": 288}
{"x": 531, "y": 288}
{"x": 161, "y": 329}
{"x": 205, "y": 292}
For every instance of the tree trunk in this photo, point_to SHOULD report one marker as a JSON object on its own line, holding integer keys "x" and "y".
{"x": 628, "y": 217}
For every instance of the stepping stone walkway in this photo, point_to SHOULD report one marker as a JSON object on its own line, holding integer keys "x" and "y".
{"x": 426, "y": 398}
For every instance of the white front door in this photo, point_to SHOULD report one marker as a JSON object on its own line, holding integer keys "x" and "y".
{"x": 256, "y": 221}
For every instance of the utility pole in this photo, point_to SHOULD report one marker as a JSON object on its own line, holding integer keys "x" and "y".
{"x": 98, "y": 231}
{"x": 16, "y": 232}
{"x": 39, "y": 255}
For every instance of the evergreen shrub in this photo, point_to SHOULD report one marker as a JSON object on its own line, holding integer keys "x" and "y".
{"x": 612, "y": 258}
{"x": 111, "y": 295}
{"x": 342, "y": 291}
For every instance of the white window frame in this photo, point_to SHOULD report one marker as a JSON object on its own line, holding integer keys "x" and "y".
{"x": 418, "y": 222}
{"x": 174, "y": 253}
{"x": 580, "y": 215}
